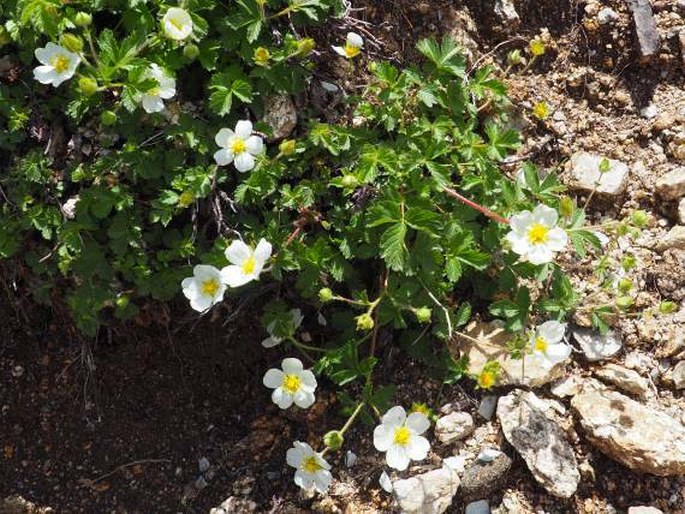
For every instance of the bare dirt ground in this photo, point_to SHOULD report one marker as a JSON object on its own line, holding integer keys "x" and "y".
{"x": 124, "y": 424}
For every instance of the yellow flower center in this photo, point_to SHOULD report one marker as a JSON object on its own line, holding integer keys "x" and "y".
{"x": 210, "y": 287}
{"x": 538, "y": 234}
{"x": 311, "y": 465}
{"x": 249, "y": 265}
{"x": 60, "y": 63}
{"x": 176, "y": 23}
{"x": 402, "y": 436}
{"x": 291, "y": 383}
{"x": 540, "y": 344}
{"x": 352, "y": 51}
{"x": 238, "y": 146}
{"x": 486, "y": 379}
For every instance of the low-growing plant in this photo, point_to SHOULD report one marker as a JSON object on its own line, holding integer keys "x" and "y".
{"x": 390, "y": 227}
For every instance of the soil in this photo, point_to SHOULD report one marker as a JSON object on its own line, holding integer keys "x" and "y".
{"x": 173, "y": 417}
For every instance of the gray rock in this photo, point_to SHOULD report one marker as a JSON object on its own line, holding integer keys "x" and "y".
{"x": 596, "y": 346}
{"x": 567, "y": 386}
{"x": 487, "y": 407}
{"x": 484, "y": 478}
{"x": 506, "y": 14}
{"x": 644, "y": 510}
{"x": 679, "y": 375}
{"x": 427, "y": 493}
{"x": 674, "y": 238}
{"x": 646, "y": 31}
{"x": 672, "y": 185}
{"x": 540, "y": 442}
{"x": 681, "y": 211}
{"x": 625, "y": 379}
{"x": 454, "y": 427}
{"x": 638, "y": 436}
{"x": 586, "y": 176}
{"x": 488, "y": 341}
{"x": 479, "y": 507}
{"x": 281, "y": 115}
{"x": 607, "y": 16}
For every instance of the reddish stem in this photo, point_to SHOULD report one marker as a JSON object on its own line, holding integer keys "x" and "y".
{"x": 474, "y": 205}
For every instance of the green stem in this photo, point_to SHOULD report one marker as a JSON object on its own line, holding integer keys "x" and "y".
{"x": 303, "y": 346}
{"x": 354, "y": 415}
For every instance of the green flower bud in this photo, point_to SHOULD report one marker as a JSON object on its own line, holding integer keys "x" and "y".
{"x": 287, "y": 146}
{"x": 624, "y": 285}
{"x": 667, "y": 307}
{"x": 514, "y": 57}
{"x": 333, "y": 439}
{"x": 350, "y": 181}
{"x": 4, "y": 36}
{"x": 364, "y": 322}
{"x": 72, "y": 42}
{"x": 186, "y": 198}
{"x": 423, "y": 314}
{"x": 624, "y": 302}
{"x": 88, "y": 85}
{"x": 566, "y": 206}
{"x": 628, "y": 262}
{"x": 305, "y": 46}
{"x": 123, "y": 301}
{"x": 604, "y": 165}
{"x": 82, "y": 19}
{"x": 191, "y": 51}
{"x": 640, "y": 218}
{"x": 108, "y": 118}
{"x": 325, "y": 294}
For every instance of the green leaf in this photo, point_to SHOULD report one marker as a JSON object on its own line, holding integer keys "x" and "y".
{"x": 393, "y": 248}
{"x": 445, "y": 57}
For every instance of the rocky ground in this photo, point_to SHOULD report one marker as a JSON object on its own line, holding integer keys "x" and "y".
{"x": 602, "y": 434}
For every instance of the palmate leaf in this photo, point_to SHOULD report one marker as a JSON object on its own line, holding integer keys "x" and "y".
{"x": 445, "y": 57}
{"x": 223, "y": 89}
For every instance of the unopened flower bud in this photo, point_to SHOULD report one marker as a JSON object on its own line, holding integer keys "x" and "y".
{"x": 108, "y": 118}
{"x": 514, "y": 57}
{"x": 624, "y": 302}
{"x": 123, "y": 301}
{"x": 423, "y": 314}
{"x": 350, "y": 181}
{"x": 72, "y": 42}
{"x": 364, "y": 322}
{"x": 624, "y": 285}
{"x": 186, "y": 198}
{"x": 566, "y": 206}
{"x": 305, "y": 46}
{"x": 82, "y": 19}
{"x": 333, "y": 439}
{"x": 325, "y": 294}
{"x": 4, "y": 36}
{"x": 88, "y": 85}
{"x": 667, "y": 307}
{"x": 191, "y": 51}
{"x": 640, "y": 218}
{"x": 287, "y": 146}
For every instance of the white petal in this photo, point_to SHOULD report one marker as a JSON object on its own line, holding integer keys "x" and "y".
{"x": 243, "y": 129}
{"x": 254, "y": 145}
{"x": 397, "y": 458}
{"x": 167, "y": 91}
{"x": 382, "y": 438}
{"x": 273, "y": 378}
{"x": 354, "y": 39}
{"x": 556, "y": 239}
{"x": 223, "y": 136}
{"x": 294, "y": 456}
{"x": 321, "y": 461}
{"x": 539, "y": 254}
{"x": 295, "y": 314}
{"x": 43, "y": 54}
{"x": 292, "y": 366}
{"x": 519, "y": 243}
{"x": 552, "y": 331}
{"x": 205, "y": 271}
{"x": 263, "y": 251}
{"x": 238, "y": 252}
{"x": 418, "y": 422}
{"x": 308, "y": 380}
{"x": 152, "y": 103}
{"x": 521, "y": 222}
{"x": 322, "y": 480}
{"x": 303, "y": 479}
{"x": 271, "y": 341}
{"x": 243, "y": 162}
{"x": 233, "y": 276}
{"x": 223, "y": 157}
{"x": 44, "y": 74}
{"x": 545, "y": 215}
{"x": 201, "y": 303}
{"x": 385, "y": 482}
{"x": 304, "y": 399}
{"x": 281, "y": 398}
{"x": 418, "y": 448}
{"x": 394, "y": 417}
{"x": 340, "y": 51}
{"x": 557, "y": 352}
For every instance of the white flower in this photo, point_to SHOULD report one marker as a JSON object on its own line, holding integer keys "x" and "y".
{"x": 312, "y": 469}
{"x": 59, "y": 64}
{"x": 353, "y": 46}
{"x": 385, "y": 482}
{"x": 546, "y": 342}
{"x": 204, "y": 288}
{"x": 165, "y": 89}
{"x": 238, "y": 147}
{"x": 271, "y": 341}
{"x": 400, "y": 436}
{"x": 177, "y": 24}
{"x": 246, "y": 264}
{"x": 292, "y": 385}
{"x": 535, "y": 236}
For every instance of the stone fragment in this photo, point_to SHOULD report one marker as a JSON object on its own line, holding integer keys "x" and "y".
{"x": 625, "y": 379}
{"x": 485, "y": 478}
{"x": 678, "y": 375}
{"x": 649, "y": 112}
{"x": 540, "y": 441}
{"x": 567, "y": 386}
{"x": 681, "y": 212}
{"x": 596, "y": 346}
{"x": 487, "y": 407}
{"x": 281, "y": 115}
{"x": 674, "y": 238}
{"x": 672, "y": 185}
{"x": 478, "y": 507}
{"x": 506, "y": 15}
{"x": 454, "y": 427}
{"x": 646, "y": 31}
{"x": 586, "y": 175}
{"x": 607, "y": 16}
{"x": 644, "y": 510}
{"x": 638, "y": 436}
{"x": 427, "y": 493}
{"x": 674, "y": 343}
{"x": 488, "y": 341}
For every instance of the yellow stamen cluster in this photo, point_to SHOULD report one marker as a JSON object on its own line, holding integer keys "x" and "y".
{"x": 311, "y": 465}
{"x": 249, "y": 265}
{"x": 238, "y": 146}
{"x": 60, "y": 63}
{"x": 538, "y": 234}
{"x": 352, "y": 51}
{"x": 540, "y": 344}
{"x": 210, "y": 287}
{"x": 402, "y": 436}
{"x": 291, "y": 383}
